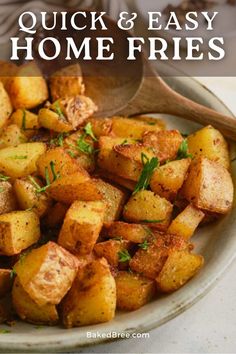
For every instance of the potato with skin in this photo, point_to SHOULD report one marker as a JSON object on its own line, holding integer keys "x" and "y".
{"x": 186, "y": 222}
{"x": 12, "y": 135}
{"x": 47, "y": 273}
{"x": 111, "y": 177}
{"x": 53, "y": 121}
{"x": 130, "y": 232}
{"x": 167, "y": 180}
{"x": 56, "y": 215}
{"x": 20, "y": 161}
{"x": 29, "y": 311}
{"x": 5, "y": 106}
{"x": 210, "y": 143}
{"x": 27, "y": 121}
{"x": 18, "y": 231}
{"x": 92, "y": 298}
{"x": 151, "y": 121}
{"x": 82, "y": 226}
{"x": 111, "y": 250}
{"x": 209, "y": 186}
{"x": 147, "y": 208}
{"x": 8, "y": 201}
{"x": 28, "y": 89}
{"x": 100, "y": 126}
{"x": 132, "y": 128}
{"x": 133, "y": 291}
{"x": 179, "y": 268}
{"x": 6, "y": 282}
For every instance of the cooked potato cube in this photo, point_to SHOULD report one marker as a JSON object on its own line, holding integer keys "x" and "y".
{"x": 151, "y": 121}
{"x": 114, "y": 199}
{"x": 56, "y": 215}
{"x": 101, "y": 126}
{"x": 133, "y": 291}
{"x": 5, "y": 282}
{"x": 167, "y": 180}
{"x": 28, "y": 197}
{"x": 165, "y": 143}
{"x": 78, "y": 186}
{"x": 47, "y": 273}
{"x": 53, "y": 121}
{"x": 130, "y": 232}
{"x": 7, "y": 198}
{"x": 179, "y": 268}
{"x": 112, "y": 251}
{"x": 64, "y": 165}
{"x": 67, "y": 82}
{"x": 26, "y": 121}
{"x": 18, "y": 231}
{"x": 92, "y": 298}
{"x": 123, "y": 182}
{"x": 7, "y": 71}
{"x": 12, "y": 136}
{"x": 210, "y": 143}
{"x": 28, "y": 89}
{"x": 5, "y": 106}
{"x": 186, "y": 223}
{"x": 209, "y": 186}
{"x": 82, "y": 226}
{"x": 131, "y": 128}
{"x": 20, "y": 161}
{"x": 29, "y": 311}
{"x": 150, "y": 261}
{"x": 147, "y": 208}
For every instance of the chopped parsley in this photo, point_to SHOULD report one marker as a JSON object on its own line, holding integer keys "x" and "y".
{"x": 4, "y": 178}
{"x": 59, "y": 140}
{"x": 124, "y": 256}
{"x": 125, "y": 142}
{"x": 58, "y": 110}
{"x": 88, "y": 129}
{"x": 40, "y": 189}
{"x": 19, "y": 157}
{"x": 144, "y": 246}
{"x": 71, "y": 153}
{"x": 183, "y": 151}
{"x": 146, "y": 175}
{"x": 83, "y": 146}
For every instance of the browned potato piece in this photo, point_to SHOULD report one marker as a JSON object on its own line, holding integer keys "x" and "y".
{"x": 123, "y": 182}
{"x": 7, "y": 71}
{"x": 147, "y": 208}
{"x": 101, "y": 126}
{"x": 26, "y": 121}
{"x": 47, "y": 273}
{"x": 7, "y": 198}
{"x": 179, "y": 268}
{"x": 186, "y": 223}
{"x": 53, "y": 121}
{"x": 209, "y": 186}
{"x": 133, "y": 291}
{"x": 77, "y": 186}
{"x": 18, "y": 231}
{"x": 56, "y": 215}
{"x": 130, "y": 232}
{"x": 165, "y": 143}
{"x": 152, "y": 121}
{"x": 167, "y": 180}
{"x": 63, "y": 163}
{"x": 131, "y": 128}
{"x": 5, "y": 106}
{"x": 67, "y": 82}
{"x": 111, "y": 250}
{"x": 149, "y": 262}
{"x": 114, "y": 199}
{"x": 12, "y": 136}
{"x": 82, "y": 226}
{"x": 28, "y": 89}
{"x": 209, "y": 142}
{"x": 29, "y": 311}
{"x": 20, "y": 161}
{"x": 92, "y": 298}
{"x": 28, "y": 197}
{"x": 5, "y": 282}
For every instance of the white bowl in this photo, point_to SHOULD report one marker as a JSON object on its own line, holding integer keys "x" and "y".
{"x": 215, "y": 242}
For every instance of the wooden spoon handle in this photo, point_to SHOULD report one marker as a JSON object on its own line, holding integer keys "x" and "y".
{"x": 157, "y": 97}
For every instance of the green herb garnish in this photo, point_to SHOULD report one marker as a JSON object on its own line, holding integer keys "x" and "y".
{"x": 124, "y": 256}
{"x": 183, "y": 151}
{"x": 89, "y": 131}
{"x": 19, "y": 157}
{"x": 55, "y": 175}
{"x": 146, "y": 175}
{"x": 84, "y": 147}
{"x": 58, "y": 110}
{"x": 4, "y": 178}
{"x": 40, "y": 189}
{"x": 71, "y": 153}
{"x": 144, "y": 246}
{"x": 23, "y": 127}
{"x": 59, "y": 140}
{"x": 13, "y": 273}
{"x": 125, "y": 142}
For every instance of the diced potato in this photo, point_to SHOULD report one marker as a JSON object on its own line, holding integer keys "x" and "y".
{"x": 133, "y": 291}
{"x": 26, "y": 121}
{"x": 18, "y": 231}
{"x": 20, "y": 161}
{"x": 149, "y": 262}
{"x": 130, "y": 232}
{"x": 77, "y": 186}
{"x": 92, "y": 298}
{"x": 167, "y": 180}
{"x": 147, "y": 208}
{"x": 7, "y": 71}
{"x": 179, "y": 268}
{"x": 56, "y": 215}
{"x": 64, "y": 165}
{"x": 47, "y": 273}
{"x": 5, "y": 106}
{"x": 209, "y": 186}
{"x": 29, "y": 311}
{"x": 165, "y": 143}
{"x": 12, "y": 136}
{"x": 114, "y": 199}
{"x": 53, "y": 121}
{"x": 151, "y": 121}
{"x": 82, "y": 226}
{"x": 186, "y": 223}
{"x": 67, "y": 82}
{"x": 28, "y": 89}
{"x": 28, "y": 197}
{"x": 210, "y": 143}
{"x": 111, "y": 250}
{"x": 101, "y": 126}
{"x": 7, "y": 198}
{"x": 131, "y": 128}
{"x": 5, "y": 282}
{"x": 123, "y": 182}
